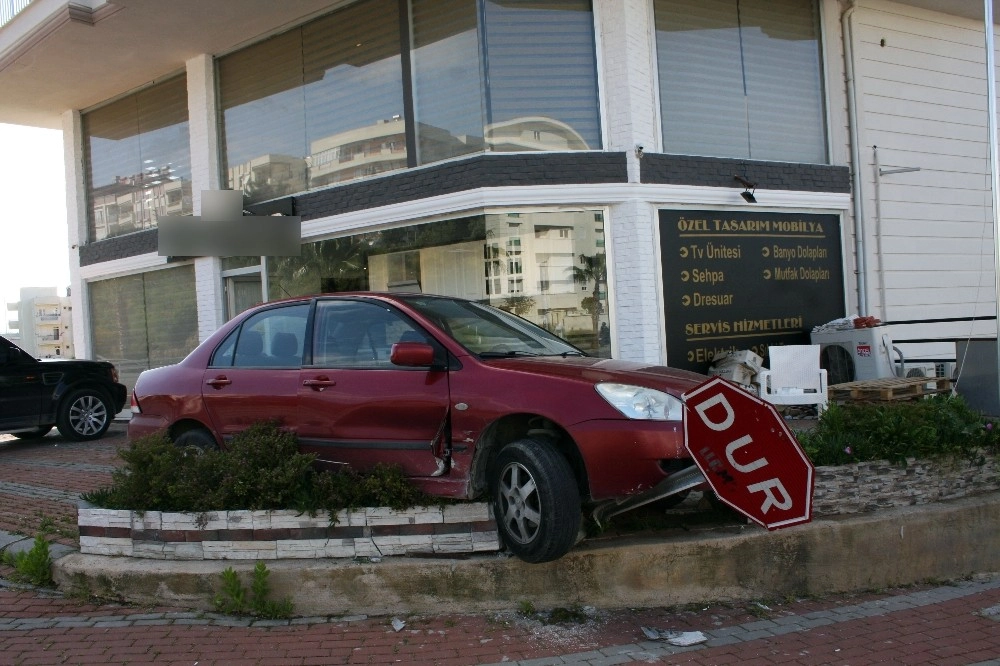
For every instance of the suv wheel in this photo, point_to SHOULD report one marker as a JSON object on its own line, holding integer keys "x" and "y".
{"x": 84, "y": 414}
{"x": 536, "y": 500}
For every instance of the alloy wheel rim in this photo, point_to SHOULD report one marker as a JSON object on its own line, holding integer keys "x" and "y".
{"x": 520, "y": 505}
{"x": 87, "y": 415}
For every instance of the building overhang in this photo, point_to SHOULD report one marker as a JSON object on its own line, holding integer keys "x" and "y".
{"x": 57, "y": 55}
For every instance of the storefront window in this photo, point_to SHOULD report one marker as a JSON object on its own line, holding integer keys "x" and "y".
{"x": 334, "y": 100}
{"x": 144, "y": 321}
{"x": 138, "y": 160}
{"x": 548, "y": 267}
{"x": 741, "y": 79}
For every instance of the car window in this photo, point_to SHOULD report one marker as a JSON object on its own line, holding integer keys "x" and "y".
{"x": 271, "y": 338}
{"x": 359, "y": 334}
{"x": 488, "y": 331}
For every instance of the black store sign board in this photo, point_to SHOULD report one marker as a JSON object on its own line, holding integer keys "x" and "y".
{"x": 746, "y": 280}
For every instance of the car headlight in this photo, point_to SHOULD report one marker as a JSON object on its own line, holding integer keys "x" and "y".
{"x": 639, "y": 402}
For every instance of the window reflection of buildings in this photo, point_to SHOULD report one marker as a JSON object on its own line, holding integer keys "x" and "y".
{"x": 523, "y": 256}
{"x": 533, "y": 133}
{"x": 134, "y": 203}
{"x": 381, "y": 147}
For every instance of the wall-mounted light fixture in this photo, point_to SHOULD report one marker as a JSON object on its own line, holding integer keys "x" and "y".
{"x": 750, "y": 188}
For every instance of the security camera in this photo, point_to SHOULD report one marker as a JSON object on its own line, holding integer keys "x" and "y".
{"x": 638, "y": 151}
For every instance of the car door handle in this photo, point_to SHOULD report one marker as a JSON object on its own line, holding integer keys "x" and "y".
{"x": 219, "y": 382}
{"x": 319, "y": 383}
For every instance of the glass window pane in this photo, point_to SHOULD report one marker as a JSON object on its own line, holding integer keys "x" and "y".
{"x": 741, "y": 79}
{"x": 354, "y": 93}
{"x": 447, "y": 91}
{"x": 171, "y": 314}
{"x": 782, "y": 63}
{"x": 701, "y": 80}
{"x": 164, "y": 147}
{"x": 138, "y": 160}
{"x": 144, "y": 321}
{"x": 353, "y": 334}
{"x": 273, "y": 338}
{"x": 540, "y": 62}
{"x": 118, "y": 325}
{"x": 548, "y": 267}
{"x": 317, "y": 105}
{"x": 263, "y": 118}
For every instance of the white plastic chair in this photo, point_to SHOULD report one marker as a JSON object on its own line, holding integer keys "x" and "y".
{"x": 794, "y": 377}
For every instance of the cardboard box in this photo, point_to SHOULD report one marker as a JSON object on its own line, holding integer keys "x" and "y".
{"x": 739, "y": 357}
{"x": 737, "y": 373}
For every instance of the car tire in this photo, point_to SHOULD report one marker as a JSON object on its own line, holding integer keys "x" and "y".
{"x": 197, "y": 440}
{"x": 84, "y": 414}
{"x": 536, "y": 500}
{"x": 37, "y": 433}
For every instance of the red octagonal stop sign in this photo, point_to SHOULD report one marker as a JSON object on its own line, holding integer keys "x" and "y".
{"x": 747, "y": 454}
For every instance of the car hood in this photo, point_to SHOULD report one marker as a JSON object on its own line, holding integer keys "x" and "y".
{"x": 594, "y": 370}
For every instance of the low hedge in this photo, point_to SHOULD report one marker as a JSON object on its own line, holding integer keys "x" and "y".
{"x": 260, "y": 469}
{"x": 935, "y": 427}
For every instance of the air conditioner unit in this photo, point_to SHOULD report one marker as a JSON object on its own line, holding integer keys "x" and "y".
{"x": 920, "y": 369}
{"x": 946, "y": 369}
{"x": 855, "y": 354}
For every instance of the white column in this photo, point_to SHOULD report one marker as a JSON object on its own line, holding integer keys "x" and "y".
{"x": 205, "y": 176}
{"x": 631, "y": 116}
{"x": 76, "y": 221}
{"x": 628, "y": 83}
{"x": 634, "y": 279}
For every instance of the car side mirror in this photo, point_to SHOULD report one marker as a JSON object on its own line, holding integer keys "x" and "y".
{"x": 412, "y": 354}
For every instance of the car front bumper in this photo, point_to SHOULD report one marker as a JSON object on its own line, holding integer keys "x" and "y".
{"x": 626, "y": 457}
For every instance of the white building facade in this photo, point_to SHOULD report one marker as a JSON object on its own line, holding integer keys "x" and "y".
{"x": 656, "y": 180}
{"x": 44, "y": 324}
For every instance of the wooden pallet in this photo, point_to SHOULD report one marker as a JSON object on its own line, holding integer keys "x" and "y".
{"x": 891, "y": 388}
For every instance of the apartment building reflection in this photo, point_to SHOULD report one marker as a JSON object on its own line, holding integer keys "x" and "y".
{"x": 381, "y": 147}
{"x": 136, "y": 202}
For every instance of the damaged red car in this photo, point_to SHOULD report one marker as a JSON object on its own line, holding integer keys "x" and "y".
{"x": 469, "y": 400}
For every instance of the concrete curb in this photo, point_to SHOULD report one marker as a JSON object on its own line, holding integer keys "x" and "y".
{"x": 16, "y": 543}
{"x": 901, "y": 546}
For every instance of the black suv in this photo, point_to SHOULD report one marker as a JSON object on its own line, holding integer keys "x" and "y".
{"x": 79, "y": 397}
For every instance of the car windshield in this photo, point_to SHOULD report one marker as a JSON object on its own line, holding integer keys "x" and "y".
{"x": 490, "y": 332}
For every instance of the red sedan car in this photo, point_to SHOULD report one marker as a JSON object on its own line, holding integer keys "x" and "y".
{"x": 467, "y": 399}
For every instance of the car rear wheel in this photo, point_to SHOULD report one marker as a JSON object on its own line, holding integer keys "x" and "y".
{"x": 37, "y": 433}
{"x": 197, "y": 440}
{"x": 535, "y": 499}
{"x": 84, "y": 414}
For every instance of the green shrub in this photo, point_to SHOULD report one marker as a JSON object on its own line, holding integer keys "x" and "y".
{"x": 33, "y": 566}
{"x": 939, "y": 426}
{"x": 261, "y": 469}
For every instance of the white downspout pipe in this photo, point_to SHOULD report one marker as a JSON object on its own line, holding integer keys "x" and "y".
{"x": 852, "y": 121}
{"x": 991, "y": 124}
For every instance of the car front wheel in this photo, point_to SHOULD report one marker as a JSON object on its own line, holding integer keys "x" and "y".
{"x": 84, "y": 414}
{"x": 535, "y": 499}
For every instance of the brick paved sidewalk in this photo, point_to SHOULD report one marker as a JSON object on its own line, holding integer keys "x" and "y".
{"x": 41, "y": 481}
{"x": 40, "y": 484}
{"x": 947, "y": 624}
